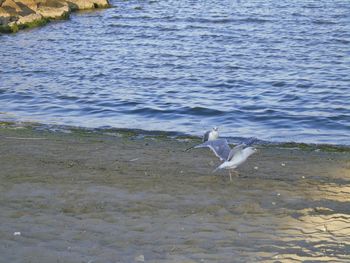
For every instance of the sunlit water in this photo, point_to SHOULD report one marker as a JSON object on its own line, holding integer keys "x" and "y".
{"x": 276, "y": 70}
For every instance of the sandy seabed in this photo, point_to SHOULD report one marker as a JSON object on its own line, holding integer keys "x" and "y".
{"x": 95, "y": 197}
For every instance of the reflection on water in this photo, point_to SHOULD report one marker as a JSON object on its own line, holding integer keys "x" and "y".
{"x": 316, "y": 229}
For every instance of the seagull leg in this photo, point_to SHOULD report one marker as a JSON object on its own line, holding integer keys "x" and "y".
{"x": 229, "y": 171}
{"x": 235, "y": 172}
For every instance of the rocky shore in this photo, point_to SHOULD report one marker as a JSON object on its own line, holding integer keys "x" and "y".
{"x": 20, "y": 14}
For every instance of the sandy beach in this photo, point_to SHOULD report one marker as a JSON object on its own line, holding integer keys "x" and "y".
{"x": 83, "y": 196}
{"x": 99, "y": 106}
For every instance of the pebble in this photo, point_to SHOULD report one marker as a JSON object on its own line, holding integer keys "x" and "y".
{"x": 17, "y": 233}
{"x": 256, "y": 167}
{"x": 140, "y": 258}
{"x": 324, "y": 228}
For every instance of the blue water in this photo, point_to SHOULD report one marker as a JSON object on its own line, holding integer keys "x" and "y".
{"x": 277, "y": 70}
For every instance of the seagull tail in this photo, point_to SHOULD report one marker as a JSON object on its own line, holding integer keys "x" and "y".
{"x": 216, "y": 169}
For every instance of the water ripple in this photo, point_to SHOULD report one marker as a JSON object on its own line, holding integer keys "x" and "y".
{"x": 272, "y": 69}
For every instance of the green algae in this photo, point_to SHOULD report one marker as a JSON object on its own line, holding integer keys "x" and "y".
{"x": 6, "y": 29}
{"x": 16, "y": 27}
{"x": 34, "y": 23}
{"x": 315, "y": 147}
{"x": 137, "y": 134}
{"x": 5, "y": 123}
{"x": 101, "y": 6}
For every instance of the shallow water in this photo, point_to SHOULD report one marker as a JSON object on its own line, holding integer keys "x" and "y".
{"x": 83, "y": 197}
{"x": 275, "y": 70}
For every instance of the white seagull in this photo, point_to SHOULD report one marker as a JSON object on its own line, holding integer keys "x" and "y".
{"x": 211, "y": 135}
{"x": 208, "y": 136}
{"x": 231, "y": 158}
{"x": 237, "y": 156}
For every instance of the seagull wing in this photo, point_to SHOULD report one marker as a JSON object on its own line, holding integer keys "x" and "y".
{"x": 236, "y": 150}
{"x": 250, "y": 141}
{"x": 240, "y": 147}
{"x": 206, "y": 136}
{"x": 220, "y": 148}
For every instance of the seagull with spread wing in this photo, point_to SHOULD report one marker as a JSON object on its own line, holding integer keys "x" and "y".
{"x": 237, "y": 156}
{"x": 232, "y": 157}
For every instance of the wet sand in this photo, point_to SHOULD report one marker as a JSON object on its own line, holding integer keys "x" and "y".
{"x": 94, "y": 197}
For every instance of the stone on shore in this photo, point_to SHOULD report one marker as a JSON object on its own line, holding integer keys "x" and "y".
{"x": 19, "y": 14}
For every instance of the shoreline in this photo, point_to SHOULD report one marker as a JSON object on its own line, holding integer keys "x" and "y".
{"x": 139, "y": 133}
{"x": 88, "y": 196}
{"x": 24, "y": 14}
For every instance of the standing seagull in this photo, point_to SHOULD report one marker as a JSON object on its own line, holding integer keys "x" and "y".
{"x": 211, "y": 135}
{"x": 237, "y": 156}
{"x": 208, "y": 136}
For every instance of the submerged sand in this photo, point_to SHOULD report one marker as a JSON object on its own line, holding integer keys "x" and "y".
{"x": 119, "y": 197}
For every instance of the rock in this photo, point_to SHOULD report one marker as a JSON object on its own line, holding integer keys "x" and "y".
{"x": 30, "y": 4}
{"x": 11, "y": 7}
{"x": 88, "y": 4}
{"x": 19, "y": 14}
{"x": 28, "y": 19}
{"x": 53, "y": 9}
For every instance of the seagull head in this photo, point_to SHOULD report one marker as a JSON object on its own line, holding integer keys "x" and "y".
{"x": 215, "y": 128}
{"x": 250, "y": 150}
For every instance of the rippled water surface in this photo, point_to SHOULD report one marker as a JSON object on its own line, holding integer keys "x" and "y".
{"x": 273, "y": 69}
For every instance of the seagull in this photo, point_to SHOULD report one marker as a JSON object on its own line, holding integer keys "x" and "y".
{"x": 231, "y": 158}
{"x": 208, "y": 136}
{"x": 237, "y": 156}
{"x": 211, "y": 135}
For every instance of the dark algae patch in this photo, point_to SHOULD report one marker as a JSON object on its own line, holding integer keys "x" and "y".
{"x": 163, "y": 135}
{"x": 35, "y": 23}
{"x": 316, "y": 147}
